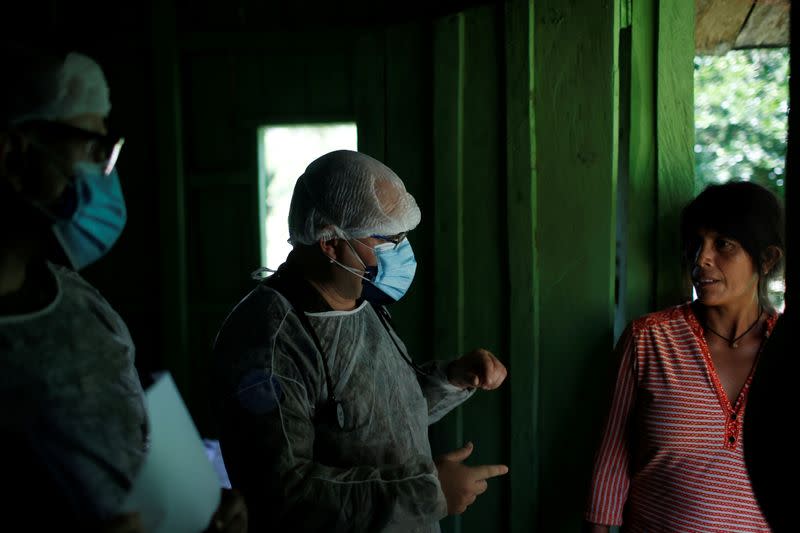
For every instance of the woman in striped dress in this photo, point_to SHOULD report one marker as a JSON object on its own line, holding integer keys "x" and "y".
{"x": 671, "y": 456}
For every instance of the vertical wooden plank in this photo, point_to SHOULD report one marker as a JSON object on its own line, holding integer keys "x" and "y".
{"x": 623, "y": 173}
{"x": 576, "y": 100}
{"x": 408, "y": 152}
{"x": 485, "y": 417}
{"x": 641, "y": 224}
{"x": 171, "y": 194}
{"x": 448, "y": 298}
{"x": 675, "y": 137}
{"x": 523, "y": 266}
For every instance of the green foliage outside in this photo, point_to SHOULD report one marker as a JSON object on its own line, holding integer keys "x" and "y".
{"x": 741, "y": 119}
{"x": 741, "y": 112}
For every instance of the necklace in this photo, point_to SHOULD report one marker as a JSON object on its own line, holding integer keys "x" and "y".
{"x": 734, "y": 342}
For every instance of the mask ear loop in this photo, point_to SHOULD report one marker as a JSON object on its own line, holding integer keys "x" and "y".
{"x": 356, "y": 253}
{"x": 353, "y": 271}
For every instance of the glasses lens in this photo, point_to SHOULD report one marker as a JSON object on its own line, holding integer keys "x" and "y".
{"x": 102, "y": 149}
{"x": 113, "y": 155}
{"x": 393, "y": 239}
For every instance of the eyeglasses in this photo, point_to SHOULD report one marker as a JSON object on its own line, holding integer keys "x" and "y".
{"x": 100, "y": 148}
{"x": 394, "y": 239}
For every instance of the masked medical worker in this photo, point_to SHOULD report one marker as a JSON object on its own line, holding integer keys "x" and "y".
{"x": 73, "y": 426}
{"x": 324, "y": 415}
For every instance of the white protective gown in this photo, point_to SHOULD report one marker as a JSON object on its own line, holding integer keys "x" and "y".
{"x": 71, "y": 394}
{"x": 298, "y": 470}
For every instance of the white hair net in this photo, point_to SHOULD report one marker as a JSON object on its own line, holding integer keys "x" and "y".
{"x": 351, "y": 195}
{"x": 48, "y": 89}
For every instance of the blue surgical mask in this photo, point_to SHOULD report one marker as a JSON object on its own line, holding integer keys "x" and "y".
{"x": 90, "y": 229}
{"x": 390, "y": 280}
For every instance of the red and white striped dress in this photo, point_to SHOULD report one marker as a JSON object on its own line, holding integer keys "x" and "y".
{"x": 671, "y": 458}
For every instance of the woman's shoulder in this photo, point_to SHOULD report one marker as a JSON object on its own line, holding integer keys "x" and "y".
{"x": 665, "y": 318}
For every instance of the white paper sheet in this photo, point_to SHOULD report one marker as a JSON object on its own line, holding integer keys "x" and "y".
{"x": 214, "y": 454}
{"x": 177, "y": 490}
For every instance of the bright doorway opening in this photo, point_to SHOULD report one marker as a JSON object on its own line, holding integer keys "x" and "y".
{"x": 284, "y": 153}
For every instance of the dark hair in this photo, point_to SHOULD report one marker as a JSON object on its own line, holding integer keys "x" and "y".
{"x": 745, "y": 212}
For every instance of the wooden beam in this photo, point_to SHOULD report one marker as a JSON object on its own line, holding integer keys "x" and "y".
{"x": 767, "y": 25}
{"x": 486, "y": 420}
{"x": 575, "y": 94}
{"x": 640, "y": 226}
{"x": 172, "y": 211}
{"x": 718, "y": 23}
{"x": 675, "y": 142}
{"x": 523, "y": 273}
{"x": 448, "y": 229}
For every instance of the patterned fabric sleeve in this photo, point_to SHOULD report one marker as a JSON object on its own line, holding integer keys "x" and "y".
{"x": 611, "y": 476}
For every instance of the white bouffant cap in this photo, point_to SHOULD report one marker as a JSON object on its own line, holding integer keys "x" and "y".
{"x": 349, "y": 195}
{"x": 44, "y": 88}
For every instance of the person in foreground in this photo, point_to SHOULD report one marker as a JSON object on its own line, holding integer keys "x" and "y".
{"x": 324, "y": 415}
{"x": 672, "y": 457}
{"x": 73, "y": 428}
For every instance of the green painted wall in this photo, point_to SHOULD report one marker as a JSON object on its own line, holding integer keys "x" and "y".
{"x": 641, "y": 183}
{"x": 470, "y": 300}
{"x": 675, "y": 141}
{"x": 575, "y": 102}
{"x": 172, "y": 205}
{"x": 660, "y": 155}
{"x": 557, "y": 169}
{"x": 524, "y": 310}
